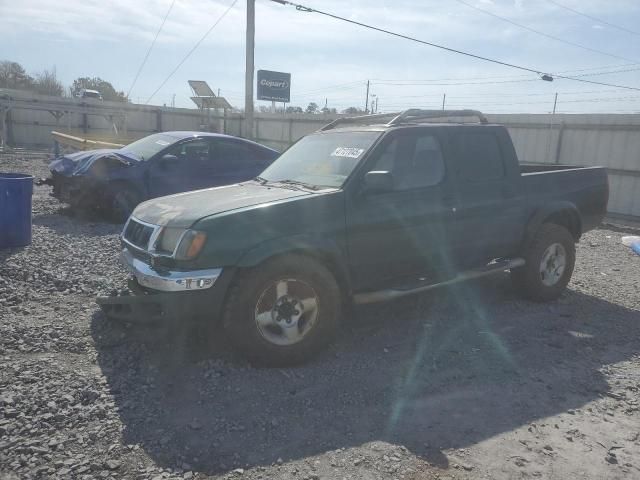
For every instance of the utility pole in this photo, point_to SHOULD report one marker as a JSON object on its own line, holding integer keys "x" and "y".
{"x": 248, "y": 78}
{"x": 366, "y": 102}
{"x": 444, "y": 99}
{"x": 555, "y": 102}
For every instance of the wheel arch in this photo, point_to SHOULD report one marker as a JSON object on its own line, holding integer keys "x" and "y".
{"x": 564, "y": 214}
{"x": 324, "y": 251}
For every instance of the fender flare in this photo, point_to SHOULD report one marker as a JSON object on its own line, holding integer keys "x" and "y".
{"x": 566, "y": 210}
{"x": 326, "y": 251}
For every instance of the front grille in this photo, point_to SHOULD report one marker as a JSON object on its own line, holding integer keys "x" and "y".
{"x": 138, "y": 234}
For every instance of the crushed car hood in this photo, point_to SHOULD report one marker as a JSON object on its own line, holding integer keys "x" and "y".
{"x": 185, "y": 209}
{"x": 79, "y": 162}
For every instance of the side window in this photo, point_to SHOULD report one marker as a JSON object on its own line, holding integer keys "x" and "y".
{"x": 230, "y": 155}
{"x": 479, "y": 157}
{"x": 416, "y": 161}
{"x": 196, "y": 150}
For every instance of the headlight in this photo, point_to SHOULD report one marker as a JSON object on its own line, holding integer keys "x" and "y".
{"x": 169, "y": 239}
{"x": 190, "y": 245}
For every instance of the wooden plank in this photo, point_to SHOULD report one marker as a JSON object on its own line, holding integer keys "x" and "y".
{"x": 82, "y": 143}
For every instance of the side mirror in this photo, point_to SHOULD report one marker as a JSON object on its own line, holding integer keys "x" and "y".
{"x": 168, "y": 160}
{"x": 378, "y": 181}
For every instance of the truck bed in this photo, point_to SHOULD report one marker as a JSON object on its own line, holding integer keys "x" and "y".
{"x": 585, "y": 187}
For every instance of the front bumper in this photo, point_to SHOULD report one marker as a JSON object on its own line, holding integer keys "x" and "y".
{"x": 168, "y": 281}
{"x": 150, "y": 305}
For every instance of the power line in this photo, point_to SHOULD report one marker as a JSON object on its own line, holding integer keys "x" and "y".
{"x": 401, "y": 82}
{"x": 224, "y": 14}
{"x": 543, "y": 75}
{"x": 146, "y": 57}
{"x": 513, "y": 77}
{"x": 597, "y": 83}
{"x": 302, "y": 8}
{"x": 547, "y": 35}
{"x": 595, "y": 19}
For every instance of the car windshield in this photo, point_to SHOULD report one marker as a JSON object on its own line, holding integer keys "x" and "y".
{"x": 321, "y": 160}
{"x": 147, "y": 147}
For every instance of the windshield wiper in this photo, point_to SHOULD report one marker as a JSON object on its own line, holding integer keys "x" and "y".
{"x": 260, "y": 180}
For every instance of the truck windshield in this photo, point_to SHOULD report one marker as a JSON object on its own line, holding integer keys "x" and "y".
{"x": 147, "y": 147}
{"x": 321, "y": 160}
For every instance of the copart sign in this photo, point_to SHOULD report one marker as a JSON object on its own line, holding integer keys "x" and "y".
{"x": 275, "y": 86}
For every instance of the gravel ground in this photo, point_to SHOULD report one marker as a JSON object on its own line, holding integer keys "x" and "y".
{"x": 467, "y": 383}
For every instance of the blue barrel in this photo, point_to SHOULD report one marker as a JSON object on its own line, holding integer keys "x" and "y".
{"x": 15, "y": 209}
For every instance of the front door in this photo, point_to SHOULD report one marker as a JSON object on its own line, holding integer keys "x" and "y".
{"x": 403, "y": 234}
{"x": 183, "y": 171}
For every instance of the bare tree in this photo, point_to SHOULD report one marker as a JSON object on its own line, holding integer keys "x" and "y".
{"x": 13, "y": 75}
{"x": 47, "y": 83}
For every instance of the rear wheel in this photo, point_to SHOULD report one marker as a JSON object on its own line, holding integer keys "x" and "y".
{"x": 550, "y": 259}
{"x": 284, "y": 311}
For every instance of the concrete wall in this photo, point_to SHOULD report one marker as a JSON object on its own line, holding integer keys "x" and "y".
{"x": 590, "y": 139}
{"x": 29, "y": 119}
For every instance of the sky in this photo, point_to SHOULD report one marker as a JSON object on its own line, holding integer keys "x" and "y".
{"x": 330, "y": 61}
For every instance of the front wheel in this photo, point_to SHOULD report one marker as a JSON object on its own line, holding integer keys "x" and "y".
{"x": 550, "y": 259}
{"x": 284, "y": 311}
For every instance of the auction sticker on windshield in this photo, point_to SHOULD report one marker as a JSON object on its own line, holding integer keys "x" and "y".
{"x": 349, "y": 152}
{"x": 164, "y": 143}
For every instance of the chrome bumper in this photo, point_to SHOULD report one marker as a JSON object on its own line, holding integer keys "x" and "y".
{"x": 169, "y": 281}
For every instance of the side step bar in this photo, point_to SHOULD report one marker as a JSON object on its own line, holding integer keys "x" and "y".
{"x": 383, "y": 295}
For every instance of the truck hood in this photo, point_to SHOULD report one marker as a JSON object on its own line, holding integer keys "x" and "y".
{"x": 185, "y": 209}
{"x": 79, "y": 162}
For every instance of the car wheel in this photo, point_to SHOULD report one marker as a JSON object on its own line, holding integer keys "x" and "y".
{"x": 550, "y": 259}
{"x": 123, "y": 200}
{"x": 284, "y": 311}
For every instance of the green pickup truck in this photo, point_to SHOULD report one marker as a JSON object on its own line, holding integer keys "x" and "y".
{"x": 367, "y": 209}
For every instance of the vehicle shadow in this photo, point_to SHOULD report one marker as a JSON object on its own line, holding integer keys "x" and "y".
{"x": 444, "y": 370}
{"x": 81, "y": 224}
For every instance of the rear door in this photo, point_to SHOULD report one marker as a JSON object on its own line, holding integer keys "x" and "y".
{"x": 491, "y": 207}
{"x": 402, "y": 234}
{"x": 236, "y": 161}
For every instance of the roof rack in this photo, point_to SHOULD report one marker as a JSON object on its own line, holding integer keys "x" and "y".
{"x": 412, "y": 115}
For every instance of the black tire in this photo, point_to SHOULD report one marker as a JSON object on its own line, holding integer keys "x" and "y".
{"x": 123, "y": 199}
{"x": 252, "y": 291}
{"x": 529, "y": 279}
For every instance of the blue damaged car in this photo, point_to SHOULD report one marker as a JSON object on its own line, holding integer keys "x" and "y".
{"x": 116, "y": 180}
